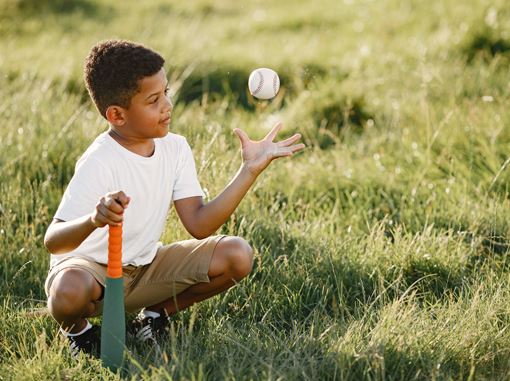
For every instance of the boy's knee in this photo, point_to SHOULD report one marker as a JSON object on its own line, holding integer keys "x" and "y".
{"x": 71, "y": 292}
{"x": 240, "y": 257}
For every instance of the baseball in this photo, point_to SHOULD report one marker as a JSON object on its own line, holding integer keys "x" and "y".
{"x": 263, "y": 83}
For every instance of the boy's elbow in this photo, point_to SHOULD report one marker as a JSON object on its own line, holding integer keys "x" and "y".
{"x": 53, "y": 249}
{"x": 49, "y": 241}
{"x": 51, "y": 245}
{"x": 200, "y": 235}
{"x": 48, "y": 244}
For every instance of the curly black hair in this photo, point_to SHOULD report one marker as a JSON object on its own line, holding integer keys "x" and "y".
{"x": 113, "y": 69}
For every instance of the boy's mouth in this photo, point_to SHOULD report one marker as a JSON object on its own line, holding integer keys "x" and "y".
{"x": 166, "y": 120}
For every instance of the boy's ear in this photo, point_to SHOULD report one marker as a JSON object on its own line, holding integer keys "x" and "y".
{"x": 116, "y": 115}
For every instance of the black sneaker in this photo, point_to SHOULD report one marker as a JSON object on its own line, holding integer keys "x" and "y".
{"x": 147, "y": 329}
{"x": 88, "y": 342}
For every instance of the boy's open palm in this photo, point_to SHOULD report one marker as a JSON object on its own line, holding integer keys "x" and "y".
{"x": 258, "y": 154}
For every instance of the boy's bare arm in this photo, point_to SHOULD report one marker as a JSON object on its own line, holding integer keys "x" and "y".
{"x": 203, "y": 220}
{"x": 65, "y": 236}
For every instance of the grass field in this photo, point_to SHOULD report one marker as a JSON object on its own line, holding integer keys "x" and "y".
{"x": 381, "y": 250}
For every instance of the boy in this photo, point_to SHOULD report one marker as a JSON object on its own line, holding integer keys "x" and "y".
{"x": 130, "y": 174}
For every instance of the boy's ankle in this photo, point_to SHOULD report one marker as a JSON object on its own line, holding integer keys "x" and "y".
{"x": 77, "y": 329}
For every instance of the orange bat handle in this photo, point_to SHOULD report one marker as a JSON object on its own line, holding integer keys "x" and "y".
{"x": 114, "y": 269}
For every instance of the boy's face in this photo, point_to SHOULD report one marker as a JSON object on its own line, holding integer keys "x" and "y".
{"x": 148, "y": 115}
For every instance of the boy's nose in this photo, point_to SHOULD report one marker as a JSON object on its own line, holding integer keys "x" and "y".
{"x": 169, "y": 105}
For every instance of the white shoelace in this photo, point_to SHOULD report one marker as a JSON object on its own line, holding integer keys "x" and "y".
{"x": 75, "y": 350}
{"x": 145, "y": 333}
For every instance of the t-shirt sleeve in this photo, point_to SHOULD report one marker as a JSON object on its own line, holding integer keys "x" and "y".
{"x": 186, "y": 182}
{"x": 88, "y": 184}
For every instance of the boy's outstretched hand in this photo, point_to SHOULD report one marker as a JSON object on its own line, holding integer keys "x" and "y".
{"x": 258, "y": 154}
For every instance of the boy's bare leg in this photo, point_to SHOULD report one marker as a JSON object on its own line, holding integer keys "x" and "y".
{"x": 231, "y": 261}
{"x": 72, "y": 296}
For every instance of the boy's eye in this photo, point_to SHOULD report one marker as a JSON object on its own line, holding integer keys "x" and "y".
{"x": 166, "y": 93}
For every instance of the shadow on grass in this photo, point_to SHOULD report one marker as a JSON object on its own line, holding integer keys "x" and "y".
{"x": 393, "y": 209}
{"x": 215, "y": 83}
{"x": 302, "y": 354}
{"x": 333, "y": 117}
{"x": 491, "y": 242}
{"x": 245, "y": 352}
{"x": 218, "y": 82}
{"x": 301, "y": 277}
{"x": 485, "y": 43}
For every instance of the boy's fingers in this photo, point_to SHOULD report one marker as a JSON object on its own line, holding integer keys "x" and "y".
{"x": 108, "y": 214}
{"x": 113, "y": 205}
{"x": 120, "y": 197}
{"x": 105, "y": 221}
{"x": 282, "y": 152}
{"x": 297, "y": 147}
{"x": 274, "y": 131}
{"x": 101, "y": 220}
{"x": 288, "y": 151}
{"x": 289, "y": 141}
{"x": 243, "y": 137}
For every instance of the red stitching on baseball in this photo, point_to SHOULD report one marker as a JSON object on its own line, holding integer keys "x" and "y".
{"x": 276, "y": 84}
{"x": 261, "y": 83}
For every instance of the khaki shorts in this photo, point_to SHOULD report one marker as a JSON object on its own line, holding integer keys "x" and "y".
{"x": 175, "y": 268}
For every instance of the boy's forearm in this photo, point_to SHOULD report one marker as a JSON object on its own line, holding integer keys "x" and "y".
{"x": 215, "y": 213}
{"x": 63, "y": 237}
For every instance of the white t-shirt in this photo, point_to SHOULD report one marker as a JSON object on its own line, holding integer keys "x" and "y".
{"x": 151, "y": 183}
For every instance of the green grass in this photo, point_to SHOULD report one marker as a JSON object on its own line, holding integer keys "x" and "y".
{"x": 381, "y": 251}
